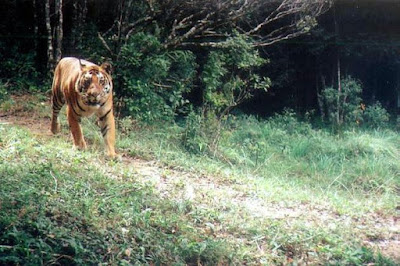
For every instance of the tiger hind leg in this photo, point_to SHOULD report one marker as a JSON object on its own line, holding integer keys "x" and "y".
{"x": 76, "y": 129}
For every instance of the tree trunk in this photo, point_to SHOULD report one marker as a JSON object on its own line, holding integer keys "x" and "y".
{"x": 59, "y": 35}
{"x": 398, "y": 92}
{"x": 35, "y": 22}
{"x": 82, "y": 18}
{"x": 79, "y": 11}
{"x": 319, "y": 94}
{"x": 50, "y": 49}
{"x": 339, "y": 113}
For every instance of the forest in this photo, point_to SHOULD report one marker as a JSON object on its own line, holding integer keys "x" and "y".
{"x": 248, "y": 132}
{"x": 253, "y": 56}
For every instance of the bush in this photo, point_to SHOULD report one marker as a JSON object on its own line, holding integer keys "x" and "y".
{"x": 151, "y": 81}
{"x": 344, "y": 107}
{"x": 228, "y": 76}
{"x": 376, "y": 116}
{"x": 20, "y": 70}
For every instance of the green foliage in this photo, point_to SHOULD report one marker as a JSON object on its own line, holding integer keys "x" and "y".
{"x": 282, "y": 148}
{"x": 376, "y": 116}
{"x": 201, "y": 133}
{"x": 194, "y": 139}
{"x": 151, "y": 81}
{"x": 20, "y": 71}
{"x": 343, "y": 107}
{"x": 3, "y": 92}
{"x": 229, "y": 77}
{"x": 346, "y": 107}
{"x": 288, "y": 160}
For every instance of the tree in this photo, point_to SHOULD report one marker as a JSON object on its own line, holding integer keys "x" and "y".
{"x": 50, "y": 49}
{"x": 203, "y": 26}
{"x": 59, "y": 29}
{"x": 209, "y": 23}
{"x": 54, "y": 42}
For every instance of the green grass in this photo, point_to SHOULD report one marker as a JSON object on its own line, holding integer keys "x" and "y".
{"x": 58, "y": 207}
{"x": 272, "y": 192}
{"x": 356, "y": 167}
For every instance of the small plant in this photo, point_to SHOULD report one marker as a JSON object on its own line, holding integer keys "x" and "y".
{"x": 201, "y": 133}
{"x": 3, "y": 92}
{"x": 193, "y": 138}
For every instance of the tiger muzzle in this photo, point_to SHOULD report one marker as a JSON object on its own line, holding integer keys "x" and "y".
{"x": 93, "y": 95}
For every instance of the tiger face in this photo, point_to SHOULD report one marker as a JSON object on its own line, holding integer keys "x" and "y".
{"x": 94, "y": 85}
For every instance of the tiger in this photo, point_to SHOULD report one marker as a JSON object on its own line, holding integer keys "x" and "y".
{"x": 87, "y": 89}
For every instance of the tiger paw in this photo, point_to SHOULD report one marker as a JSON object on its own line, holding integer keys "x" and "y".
{"x": 55, "y": 128}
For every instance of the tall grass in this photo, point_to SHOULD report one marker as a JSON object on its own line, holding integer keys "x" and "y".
{"x": 359, "y": 164}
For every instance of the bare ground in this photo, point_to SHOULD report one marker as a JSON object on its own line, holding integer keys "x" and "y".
{"x": 378, "y": 231}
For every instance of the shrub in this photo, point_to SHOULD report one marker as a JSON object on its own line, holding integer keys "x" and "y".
{"x": 20, "y": 70}
{"x": 228, "y": 76}
{"x": 344, "y": 107}
{"x": 376, "y": 116}
{"x": 152, "y": 81}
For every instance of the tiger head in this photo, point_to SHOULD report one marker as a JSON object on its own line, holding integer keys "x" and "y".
{"x": 95, "y": 84}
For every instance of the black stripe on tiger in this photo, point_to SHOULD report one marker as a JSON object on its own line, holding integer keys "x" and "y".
{"x": 60, "y": 97}
{"x": 104, "y": 116}
{"x": 104, "y": 130}
{"x": 73, "y": 109}
{"x": 56, "y": 105}
{"x": 57, "y": 102}
{"x": 79, "y": 106}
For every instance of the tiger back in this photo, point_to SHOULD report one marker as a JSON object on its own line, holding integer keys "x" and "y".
{"x": 86, "y": 89}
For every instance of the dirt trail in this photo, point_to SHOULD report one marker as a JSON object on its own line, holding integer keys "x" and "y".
{"x": 183, "y": 186}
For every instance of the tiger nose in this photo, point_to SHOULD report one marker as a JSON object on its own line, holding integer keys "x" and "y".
{"x": 93, "y": 94}
{"x": 93, "y": 91}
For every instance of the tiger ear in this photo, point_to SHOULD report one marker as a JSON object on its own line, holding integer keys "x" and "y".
{"x": 107, "y": 67}
{"x": 81, "y": 64}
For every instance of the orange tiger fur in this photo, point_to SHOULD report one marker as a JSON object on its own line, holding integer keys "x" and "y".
{"x": 86, "y": 88}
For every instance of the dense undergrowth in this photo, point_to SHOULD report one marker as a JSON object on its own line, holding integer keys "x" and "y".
{"x": 62, "y": 206}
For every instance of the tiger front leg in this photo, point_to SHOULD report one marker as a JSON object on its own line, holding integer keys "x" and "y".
{"x": 57, "y": 104}
{"x": 107, "y": 126}
{"x": 75, "y": 127}
{"x": 55, "y": 124}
